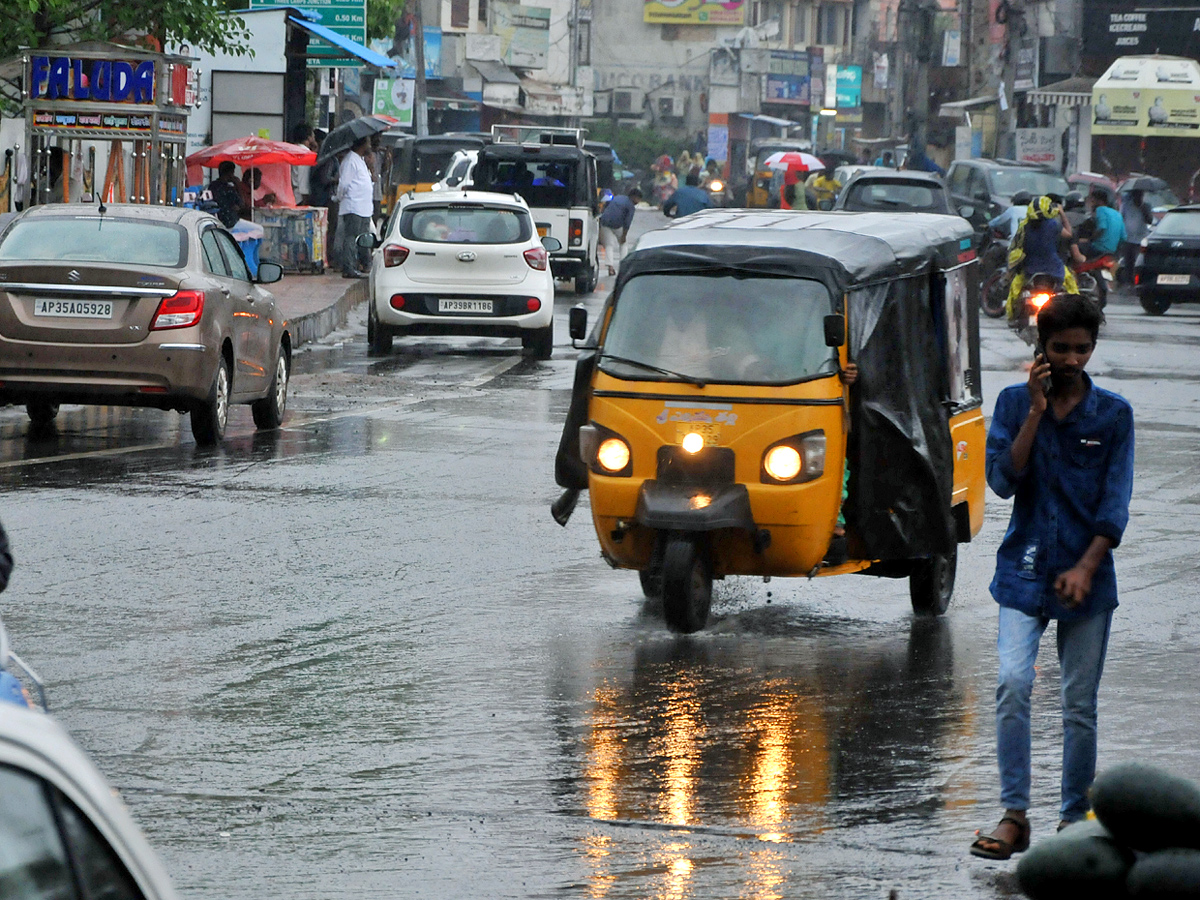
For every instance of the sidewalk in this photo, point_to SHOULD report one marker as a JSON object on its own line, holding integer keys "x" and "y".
{"x": 316, "y": 305}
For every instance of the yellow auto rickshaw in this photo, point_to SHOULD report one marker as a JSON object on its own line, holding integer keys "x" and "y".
{"x": 417, "y": 163}
{"x": 758, "y": 191}
{"x": 710, "y": 423}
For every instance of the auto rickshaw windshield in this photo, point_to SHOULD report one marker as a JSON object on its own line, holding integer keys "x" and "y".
{"x": 720, "y": 327}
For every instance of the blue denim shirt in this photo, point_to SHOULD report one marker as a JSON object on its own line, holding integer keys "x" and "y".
{"x": 1076, "y": 486}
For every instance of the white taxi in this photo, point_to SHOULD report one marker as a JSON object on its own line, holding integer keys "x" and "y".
{"x": 461, "y": 263}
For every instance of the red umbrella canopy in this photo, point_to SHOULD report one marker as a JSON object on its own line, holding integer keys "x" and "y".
{"x": 784, "y": 160}
{"x": 252, "y": 151}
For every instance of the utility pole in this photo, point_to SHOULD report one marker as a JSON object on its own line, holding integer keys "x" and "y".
{"x": 916, "y": 17}
{"x": 1014, "y": 34}
{"x": 420, "y": 106}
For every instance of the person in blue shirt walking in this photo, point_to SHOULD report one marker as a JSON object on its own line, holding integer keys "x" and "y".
{"x": 688, "y": 199}
{"x": 615, "y": 221}
{"x": 1064, "y": 452}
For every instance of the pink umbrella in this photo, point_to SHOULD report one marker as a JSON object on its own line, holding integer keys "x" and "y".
{"x": 252, "y": 151}
{"x": 784, "y": 160}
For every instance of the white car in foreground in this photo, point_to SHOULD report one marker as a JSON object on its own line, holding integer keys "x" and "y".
{"x": 461, "y": 263}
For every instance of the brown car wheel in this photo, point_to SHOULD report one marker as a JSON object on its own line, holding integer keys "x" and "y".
{"x": 210, "y": 416}
{"x": 268, "y": 412}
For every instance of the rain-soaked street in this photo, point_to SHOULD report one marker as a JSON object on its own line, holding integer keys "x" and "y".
{"x": 355, "y": 658}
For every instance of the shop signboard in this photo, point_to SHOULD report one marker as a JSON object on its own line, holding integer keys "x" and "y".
{"x": 1026, "y": 75}
{"x": 406, "y": 61}
{"x": 524, "y": 33}
{"x": 1116, "y": 27}
{"x": 1040, "y": 145}
{"x": 67, "y": 78}
{"x": 394, "y": 97}
{"x": 718, "y": 142}
{"x": 787, "y": 78}
{"x": 849, "y": 86}
{"x": 693, "y": 12}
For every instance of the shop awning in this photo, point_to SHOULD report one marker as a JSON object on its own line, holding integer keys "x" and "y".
{"x": 956, "y": 108}
{"x": 1071, "y": 92}
{"x": 354, "y": 48}
{"x": 494, "y": 71}
{"x": 441, "y": 97}
{"x": 770, "y": 120}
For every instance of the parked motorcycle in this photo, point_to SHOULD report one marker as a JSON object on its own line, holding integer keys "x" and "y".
{"x": 993, "y": 273}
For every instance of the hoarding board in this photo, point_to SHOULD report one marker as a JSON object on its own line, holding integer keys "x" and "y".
{"x": 693, "y": 12}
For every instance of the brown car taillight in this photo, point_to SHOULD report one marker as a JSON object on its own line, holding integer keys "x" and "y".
{"x": 575, "y": 237}
{"x": 394, "y": 255}
{"x": 181, "y": 310}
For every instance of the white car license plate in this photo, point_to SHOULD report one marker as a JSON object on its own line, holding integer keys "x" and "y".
{"x": 1174, "y": 279}
{"x": 73, "y": 309}
{"x": 467, "y": 306}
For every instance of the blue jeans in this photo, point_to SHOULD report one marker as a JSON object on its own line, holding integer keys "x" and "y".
{"x": 1082, "y": 645}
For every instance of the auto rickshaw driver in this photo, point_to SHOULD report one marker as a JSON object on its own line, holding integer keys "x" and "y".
{"x": 698, "y": 470}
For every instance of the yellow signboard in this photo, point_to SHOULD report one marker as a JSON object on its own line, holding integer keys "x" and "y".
{"x": 1148, "y": 96}
{"x": 694, "y": 12}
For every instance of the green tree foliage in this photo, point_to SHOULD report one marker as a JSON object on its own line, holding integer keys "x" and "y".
{"x": 201, "y": 23}
{"x": 382, "y": 16}
{"x": 637, "y": 147}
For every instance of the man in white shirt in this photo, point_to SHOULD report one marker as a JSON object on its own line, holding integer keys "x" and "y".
{"x": 355, "y": 196}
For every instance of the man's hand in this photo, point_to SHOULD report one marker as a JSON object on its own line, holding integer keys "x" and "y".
{"x": 1037, "y": 393}
{"x": 849, "y": 374}
{"x": 1073, "y": 585}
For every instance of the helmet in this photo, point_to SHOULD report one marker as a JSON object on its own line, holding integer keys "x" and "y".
{"x": 1021, "y": 198}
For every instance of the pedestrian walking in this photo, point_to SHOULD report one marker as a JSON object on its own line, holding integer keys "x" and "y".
{"x": 355, "y": 196}
{"x": 1138, "y": 217}
{"x": 615, "y": 222}
{"x": 1063, "y": 448}
{"x": 304, "y": 135}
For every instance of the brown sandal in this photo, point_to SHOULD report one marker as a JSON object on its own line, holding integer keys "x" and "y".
{"x": 988, "y": 846}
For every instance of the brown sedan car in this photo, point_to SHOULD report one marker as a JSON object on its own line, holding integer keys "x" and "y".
{"x": 138, "y": 306}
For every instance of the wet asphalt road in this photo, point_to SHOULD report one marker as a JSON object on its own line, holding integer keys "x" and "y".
{"x": 356, "y": 658}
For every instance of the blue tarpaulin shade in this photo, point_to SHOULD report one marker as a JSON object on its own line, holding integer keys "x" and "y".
{"x": 354, "y": 48}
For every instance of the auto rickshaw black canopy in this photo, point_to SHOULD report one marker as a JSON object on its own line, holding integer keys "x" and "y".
{"x": 912, "y": 307}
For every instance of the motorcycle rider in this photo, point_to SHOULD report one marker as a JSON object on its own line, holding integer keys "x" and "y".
{"x": 1109, "y": 231}
{"x": 1010, "y": 220}
{"x": 1035, "y": 249}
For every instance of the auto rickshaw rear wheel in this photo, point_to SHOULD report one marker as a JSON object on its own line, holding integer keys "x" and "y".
{"x": 931, "y": 584}
{"x": 686, "y": 584}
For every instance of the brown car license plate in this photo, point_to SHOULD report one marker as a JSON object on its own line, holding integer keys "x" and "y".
{"x": 73, "y": 309}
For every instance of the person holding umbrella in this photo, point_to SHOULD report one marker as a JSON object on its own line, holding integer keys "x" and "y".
{"x": 356, "y": 202}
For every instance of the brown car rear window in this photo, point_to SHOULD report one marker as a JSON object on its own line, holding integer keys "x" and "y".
{"x": 96, "y": 239}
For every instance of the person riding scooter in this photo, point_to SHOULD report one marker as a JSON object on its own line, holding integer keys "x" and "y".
{"x": 1035, "y": 249}
{"x": 1109, "y": 230}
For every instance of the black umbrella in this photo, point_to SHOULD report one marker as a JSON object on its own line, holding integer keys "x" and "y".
{"x": 350, "y": 133}
{"x": 1146, "y": 183}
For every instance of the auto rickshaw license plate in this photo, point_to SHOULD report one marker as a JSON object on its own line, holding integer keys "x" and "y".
{"x": 710, "y": 433}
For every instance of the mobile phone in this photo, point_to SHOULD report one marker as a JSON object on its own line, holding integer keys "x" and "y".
{"x": 1039, "y": 354}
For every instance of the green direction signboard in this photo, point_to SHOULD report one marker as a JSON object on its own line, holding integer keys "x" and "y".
{"x": 347, "y": 17}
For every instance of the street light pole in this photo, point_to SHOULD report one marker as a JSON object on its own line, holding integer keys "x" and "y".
{"x": 420, "y": 106}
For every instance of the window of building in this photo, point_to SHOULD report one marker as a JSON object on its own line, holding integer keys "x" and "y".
{"x": 460, "y": 13}
{"x": 827, "y": 23}
{"x": 800, "y": 13}
{"x": 483, "y": 12}
{"x": 584, "y": 49}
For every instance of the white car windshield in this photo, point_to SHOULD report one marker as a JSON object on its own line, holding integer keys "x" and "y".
{"x": 719, "y": 327}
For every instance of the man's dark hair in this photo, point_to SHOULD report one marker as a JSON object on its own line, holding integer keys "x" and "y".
{"x": 692, "y": 180}
{"x": 635, "y": 193}
{"x": 301, "y": 132}
{"x": 1065, "y": 311}
{"x": 1099, "y": 196}
{"x": 361, "y": 143}
{"x": 226, "y": 169}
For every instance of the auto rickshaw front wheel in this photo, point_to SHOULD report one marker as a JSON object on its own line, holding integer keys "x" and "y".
{"x": 931, "y": 584}
{"x": 686, "y": 583}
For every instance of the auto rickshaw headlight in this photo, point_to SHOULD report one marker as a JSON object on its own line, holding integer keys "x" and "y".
{"x": 783, "y": 463}
{"x": 604, "y": 451}
{"x": 795, "y": 460}
{"x": 613, "y": 455}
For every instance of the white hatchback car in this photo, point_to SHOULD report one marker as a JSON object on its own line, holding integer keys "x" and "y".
{"x": 461, "y": 263}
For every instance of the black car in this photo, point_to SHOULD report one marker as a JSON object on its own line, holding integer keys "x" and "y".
{"x": 890, "y": 191}
{"x": 1168, "y": 267}
{"x": 987, "y": 185}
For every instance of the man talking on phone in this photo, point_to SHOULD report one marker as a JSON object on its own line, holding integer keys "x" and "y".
{"x": 1063, "y": 449}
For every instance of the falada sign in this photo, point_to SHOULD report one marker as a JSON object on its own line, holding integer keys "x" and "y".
{"x": 99, "y": 80}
